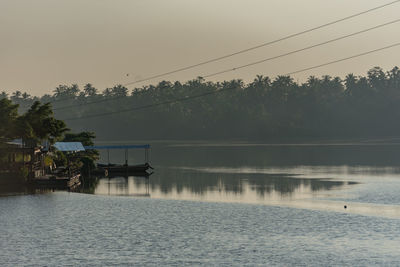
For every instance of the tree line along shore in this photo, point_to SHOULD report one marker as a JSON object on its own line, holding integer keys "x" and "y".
{"x": 268, "y": 109}
{"x": 27, "y": 139}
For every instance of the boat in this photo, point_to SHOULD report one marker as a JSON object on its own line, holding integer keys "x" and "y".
{"x": 110, "y": 170}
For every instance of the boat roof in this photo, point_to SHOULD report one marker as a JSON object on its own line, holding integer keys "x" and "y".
{"x": 119, "y": 147}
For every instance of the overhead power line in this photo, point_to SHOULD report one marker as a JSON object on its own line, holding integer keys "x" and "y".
{"x": 253, "y": 63}
{"x": 182, "y": 99}
{"x": 300, "y": 50}
{"x": 249, "y": 49}
{"x": 261, "y": 45}
{"x": 344, "y": 59}
{"x": 187, "y": 98}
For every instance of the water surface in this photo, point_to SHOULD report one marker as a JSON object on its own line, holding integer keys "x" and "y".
{"x": 364, "y": 177}
{"x": 219, "y": 204}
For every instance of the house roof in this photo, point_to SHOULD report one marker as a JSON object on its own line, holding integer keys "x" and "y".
{"x": 16, "y": 142}
{"x": 69, "y": 146}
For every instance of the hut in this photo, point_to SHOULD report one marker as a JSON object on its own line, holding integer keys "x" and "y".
{"x": 20, "y": 161}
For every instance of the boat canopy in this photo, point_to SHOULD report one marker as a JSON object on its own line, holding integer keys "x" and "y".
{"x": 69, "y": 146}
{"x": 119, "y": 147}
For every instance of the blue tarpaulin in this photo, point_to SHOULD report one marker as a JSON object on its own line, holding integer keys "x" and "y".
{"x": 69, "y": 146}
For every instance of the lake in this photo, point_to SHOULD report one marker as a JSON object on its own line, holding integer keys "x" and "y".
{"x": 220, "y": 204}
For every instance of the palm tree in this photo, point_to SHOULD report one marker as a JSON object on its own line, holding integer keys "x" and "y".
{"x": 8, "y": 116}
{"x": 38, "y": 124}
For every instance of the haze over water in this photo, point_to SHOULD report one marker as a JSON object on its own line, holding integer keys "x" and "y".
{"x": 276, "y": 70}
{"x": 46, "y": 43}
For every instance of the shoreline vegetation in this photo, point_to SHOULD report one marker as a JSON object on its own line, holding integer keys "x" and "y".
{"x": 273, "y": 110}
{"x": 26, "y": 145}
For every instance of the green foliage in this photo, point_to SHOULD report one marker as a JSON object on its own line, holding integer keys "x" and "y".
{"x": 38, "y": 123}
{"x": 86, "y": 138}
{"x": 8, "y": 117}
{"x": 24, "y": 172}
{"x": 267, "y": 109}
{"x": 86, "y": 159}
{"x": 60, "y": 159}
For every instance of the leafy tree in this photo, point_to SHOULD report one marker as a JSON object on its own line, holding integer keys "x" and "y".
{"x": 8, "y": 117}
{"x": 272, "y": 109}
{"x": 86, "y": 158}
{"x": 89, "y": 90}
{"x": 38, "y": 124}
{"x": 64, "y": 91}
{"x": 3, "y": 95}
{"x": 118, "y": 91}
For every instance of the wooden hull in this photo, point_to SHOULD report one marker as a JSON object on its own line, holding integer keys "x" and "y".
{"x": 123, "y": 170}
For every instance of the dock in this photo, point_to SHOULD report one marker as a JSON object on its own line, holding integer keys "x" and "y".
{"x": 55, "y": 182}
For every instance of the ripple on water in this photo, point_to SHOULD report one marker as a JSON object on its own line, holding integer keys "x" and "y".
{"x": 76, "y": 229}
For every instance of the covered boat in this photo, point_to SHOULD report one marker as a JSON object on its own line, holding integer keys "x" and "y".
{"x": 110, "y": 170}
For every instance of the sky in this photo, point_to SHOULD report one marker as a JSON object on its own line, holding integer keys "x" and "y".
{"x": 45, "y": 43}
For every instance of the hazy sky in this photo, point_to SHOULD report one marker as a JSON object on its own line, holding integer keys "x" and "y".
{"x": 44, "y": 43}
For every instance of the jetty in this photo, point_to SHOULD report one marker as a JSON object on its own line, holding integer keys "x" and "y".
{"x": 28, "y": 165}
{"x": 61, "y": 177}
{"x": 56, "y": 182}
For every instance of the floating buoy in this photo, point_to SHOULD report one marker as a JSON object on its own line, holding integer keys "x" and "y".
{"x": 345, "y": 206}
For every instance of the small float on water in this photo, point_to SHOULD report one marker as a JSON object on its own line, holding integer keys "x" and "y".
{"x": 110, "y": 170}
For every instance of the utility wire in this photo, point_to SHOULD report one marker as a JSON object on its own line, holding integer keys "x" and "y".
{"x": 250, "y": 48}
{"x": 187, "y": 98}
{"x": 182, "y": 99}
{"x": 262, "y": 45}
{"x": 253, "y": 63}
{"x": 301, "y": 50}
{"x": 344, "y": 59}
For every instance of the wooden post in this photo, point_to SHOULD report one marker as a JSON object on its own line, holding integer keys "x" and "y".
{"x": 68, "y": 166}
{"x": 126, "y": 161}
{"x": 146, "y": 155}
{"x": 31, "y": 171}
{"x": 108, "y": 156}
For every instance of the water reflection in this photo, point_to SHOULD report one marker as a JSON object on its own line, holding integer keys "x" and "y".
{"x": 180, "y": 183}
{"x": 318, "y": 188}
{"x": 10, "y": 189}
{"x": 248, "y": 172}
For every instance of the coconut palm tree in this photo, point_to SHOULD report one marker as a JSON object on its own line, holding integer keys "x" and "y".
{"x": 8, "y": 116}
{"x": 38, "y": 124}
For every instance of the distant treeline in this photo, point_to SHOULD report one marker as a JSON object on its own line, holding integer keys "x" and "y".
{"x": 266, "y": 109}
